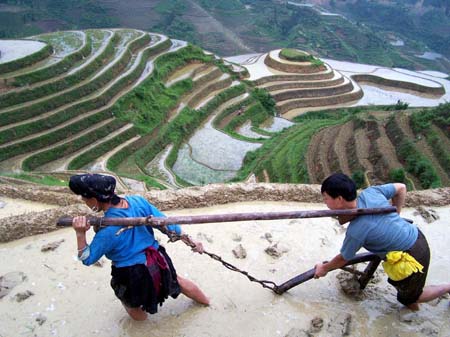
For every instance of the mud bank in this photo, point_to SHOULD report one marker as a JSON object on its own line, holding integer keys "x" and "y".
{"x": 56, "y": 295}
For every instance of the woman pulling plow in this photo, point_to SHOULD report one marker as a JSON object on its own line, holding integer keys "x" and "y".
{"x": 142, "y": 274}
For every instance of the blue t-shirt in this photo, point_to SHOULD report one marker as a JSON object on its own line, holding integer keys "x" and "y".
{"x": 127, "y": 248}
{"x": 378, "y": 233}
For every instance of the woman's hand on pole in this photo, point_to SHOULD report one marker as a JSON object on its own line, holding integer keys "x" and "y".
{"x": 80, "y": 224}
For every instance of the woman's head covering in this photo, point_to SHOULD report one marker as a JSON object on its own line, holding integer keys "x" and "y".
{"x": 98, "y": 186}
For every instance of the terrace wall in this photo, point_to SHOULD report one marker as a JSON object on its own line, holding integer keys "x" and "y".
{"x": 312, "y": 102}
{"x": 437, "y": 91}
{"x": 299, "y": 68}
{"x": 315, "y": 92}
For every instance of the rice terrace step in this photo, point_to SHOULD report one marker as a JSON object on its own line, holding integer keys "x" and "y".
{"x": 168, "y": 114}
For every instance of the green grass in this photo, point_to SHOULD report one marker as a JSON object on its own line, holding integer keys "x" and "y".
{"x": 38, "y": 179}
{"x": 295, "y": 55}
{"x": 283, "y": 157}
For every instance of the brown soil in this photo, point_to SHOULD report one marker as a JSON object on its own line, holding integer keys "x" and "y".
{"x": 362, "y": 150}
{"x": 379, "y": 173}
{"x": 224, "y": 122}
{"x": 388, "y": 150}
{"x": 353, "y": 163}
{"x": 313, "y": 165}
{"x": 325, "y": 147}
{"x": 340, "y": 146}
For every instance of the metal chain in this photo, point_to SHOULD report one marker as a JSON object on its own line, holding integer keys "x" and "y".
{"x": 173, "y": 236}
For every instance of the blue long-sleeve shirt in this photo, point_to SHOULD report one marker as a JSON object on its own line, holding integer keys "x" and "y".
{"x": 127, "y": 248}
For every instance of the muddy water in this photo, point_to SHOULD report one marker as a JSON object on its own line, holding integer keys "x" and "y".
{"x": 10, "y": 207}
{"x": 77, "y": 301}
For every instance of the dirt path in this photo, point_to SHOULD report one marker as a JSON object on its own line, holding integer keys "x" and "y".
{"x": 340, "y": 146}
{"x": 326, "y": 145}
{"x": 387, "y": 149}
{"x": 362, "y": 150}
{"x": 266, "y": 176}
{"x": 312, "y": 164}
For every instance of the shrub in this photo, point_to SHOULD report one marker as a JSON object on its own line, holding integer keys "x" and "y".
{"x": 266, "y": 100}
{"x": 295, "y": 55}
{"x": 316, "y": 62}
{"x": 400, "y": 105}
{"x": 397, "y": 175}
{"x": 358, "y": 178}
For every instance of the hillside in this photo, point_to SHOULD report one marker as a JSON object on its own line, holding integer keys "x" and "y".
{"x": 408, "y": 34}
{"x": 162, "y": 113}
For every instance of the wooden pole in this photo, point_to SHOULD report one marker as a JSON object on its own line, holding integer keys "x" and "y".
{"x": 199, "y": 219}
{"x": 368, "y": 272}
{"x": 308, "y": 275}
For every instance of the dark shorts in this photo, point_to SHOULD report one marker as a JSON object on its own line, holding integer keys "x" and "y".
{"x": 134, "y": 287}
{"x": 410, "y": 289}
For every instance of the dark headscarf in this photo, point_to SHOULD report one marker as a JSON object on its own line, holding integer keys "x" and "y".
{"x": 98, "y": 186}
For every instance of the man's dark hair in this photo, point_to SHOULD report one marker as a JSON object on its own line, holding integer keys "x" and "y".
{"x": 338, "y": 184}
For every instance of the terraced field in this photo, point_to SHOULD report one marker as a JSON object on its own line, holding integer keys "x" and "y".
{"x": 116, "y": 100}
{"x": 372, "y": 144}
{"x": 162, "y": 113}
{"x": 299, "y": 85}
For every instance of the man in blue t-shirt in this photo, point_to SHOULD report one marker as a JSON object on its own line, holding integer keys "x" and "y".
{"x": 380, "y": 234}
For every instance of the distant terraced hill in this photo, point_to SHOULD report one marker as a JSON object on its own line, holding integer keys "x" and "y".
{"x": 373, "y": 146}
{"x": 158, "y": 112}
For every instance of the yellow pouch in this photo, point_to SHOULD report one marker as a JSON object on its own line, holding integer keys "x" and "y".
{"x": 399, "y": 265}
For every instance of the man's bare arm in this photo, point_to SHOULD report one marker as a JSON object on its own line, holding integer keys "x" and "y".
{"x": 322, "y": 269}
{"x": 398, "y": 200}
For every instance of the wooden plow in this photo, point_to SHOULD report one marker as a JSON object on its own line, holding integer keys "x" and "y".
{"x": 161, "y": 223}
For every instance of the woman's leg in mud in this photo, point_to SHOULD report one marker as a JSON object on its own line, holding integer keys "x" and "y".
{"x": 189, "y": 289}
